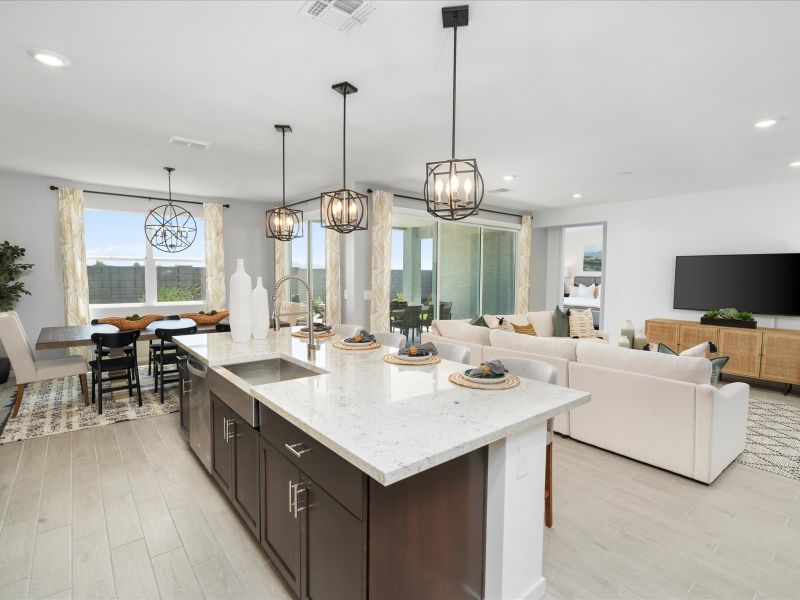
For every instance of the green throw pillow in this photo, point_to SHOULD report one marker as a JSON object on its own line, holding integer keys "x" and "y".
{"x": 479, "y": 321}
{"x": 664, "y": 349}
{"x": 717, "y": 364}
{"x": 560, "y": 323}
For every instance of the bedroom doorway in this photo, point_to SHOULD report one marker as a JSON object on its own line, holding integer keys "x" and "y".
{"x": 583, "y": 267}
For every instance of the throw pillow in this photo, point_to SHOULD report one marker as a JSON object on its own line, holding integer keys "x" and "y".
{"x": 717, "y": 364}
{"x": 664, "y": 349}
{"x": 586, "y": 292}
{"x": 526, "y": 329}
{"x": 479, "y": 321}
{"x": 581, "y": 324}
{"x": 573, "y": 291}
{"x": 560, "y": 323}
{"x": 699, "y": 350}
{"x": 597, "y": 292}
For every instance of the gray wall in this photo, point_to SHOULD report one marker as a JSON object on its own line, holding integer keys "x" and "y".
{"x": 30, "y": 219}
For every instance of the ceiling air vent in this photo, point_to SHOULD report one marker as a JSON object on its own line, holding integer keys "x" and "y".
{"x": 188, "y": 142}
{"x": 339, "y": 14}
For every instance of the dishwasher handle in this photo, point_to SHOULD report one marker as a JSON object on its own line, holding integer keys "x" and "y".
{"x": 194, "y": 370}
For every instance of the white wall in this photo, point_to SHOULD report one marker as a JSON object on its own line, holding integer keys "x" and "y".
{"x": 645, "y": 236}
{"x": 29, "y": 218}
{"x": 575, "y": 240}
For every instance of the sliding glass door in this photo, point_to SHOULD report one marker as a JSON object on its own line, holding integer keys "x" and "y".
{"x": 499, "y": 259}
{"x": 308, "y": 261}
{"x": 460, "y": 275}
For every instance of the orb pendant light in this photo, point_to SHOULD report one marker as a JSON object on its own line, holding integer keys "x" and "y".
{"x": 168, "y": 227}
{"x": 454, "y": 187}
{"x": 344, "y": 210}
{"x": 284, "y": 223}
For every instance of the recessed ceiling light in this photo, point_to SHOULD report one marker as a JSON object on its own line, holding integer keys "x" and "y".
{"x": 765, "y": 123}
{"x": 577, "y": 196}
{"x": 795, "y": 164}
{"x": 49, "y": 58}
{"x": 509, "y": 177}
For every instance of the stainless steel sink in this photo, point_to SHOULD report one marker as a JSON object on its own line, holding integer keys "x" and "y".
{"x": 269, "y": 371}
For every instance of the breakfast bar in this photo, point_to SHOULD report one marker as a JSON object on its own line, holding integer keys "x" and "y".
{"x": 361, "y": 478}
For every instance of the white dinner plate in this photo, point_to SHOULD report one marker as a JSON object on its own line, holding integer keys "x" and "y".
{"x": 356, "y": 344}
{"x": 412, "y": 358}
{"x": 486, "y": 380}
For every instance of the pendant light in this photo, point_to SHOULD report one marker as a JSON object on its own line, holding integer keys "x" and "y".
{"x": 454, "y": 187}
{"x": 168, "y": 227}
{"x": 344, "y": 210}
{"x": 284, "y": 223}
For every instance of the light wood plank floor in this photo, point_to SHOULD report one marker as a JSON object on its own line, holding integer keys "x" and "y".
{"x": 125, "y": 511}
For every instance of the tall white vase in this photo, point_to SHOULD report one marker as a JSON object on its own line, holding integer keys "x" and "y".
{"x": 260, "y": 310}
{"x": 241, "y": 304}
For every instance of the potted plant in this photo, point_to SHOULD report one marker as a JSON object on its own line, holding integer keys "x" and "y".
{"x": 729, "y": 317}
{"x": 10, "y": 288}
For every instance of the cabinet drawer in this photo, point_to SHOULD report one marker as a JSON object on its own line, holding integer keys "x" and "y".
{"x": 338, "y": 477}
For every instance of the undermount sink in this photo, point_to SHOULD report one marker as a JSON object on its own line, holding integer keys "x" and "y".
{"x": 269, "y": 371}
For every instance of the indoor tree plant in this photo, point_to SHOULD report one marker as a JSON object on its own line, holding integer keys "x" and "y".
{"x": 10, "y": 287}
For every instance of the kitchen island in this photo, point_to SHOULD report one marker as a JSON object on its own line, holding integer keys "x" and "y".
{"x": 361, "y": 478}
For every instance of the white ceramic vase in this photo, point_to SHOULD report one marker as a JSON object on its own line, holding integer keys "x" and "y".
{"x": 241, "y": 304}
{"x": 260, "y": 310}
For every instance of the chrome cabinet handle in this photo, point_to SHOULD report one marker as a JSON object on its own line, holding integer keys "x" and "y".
{"x": 228, "y": 433}
{"x": 296, "y": 490}
{"x": 225, "y": 429}
{"x": 291, "y": 489}
{"x": 297, "y": 453}
{"x": 187, "y": 386}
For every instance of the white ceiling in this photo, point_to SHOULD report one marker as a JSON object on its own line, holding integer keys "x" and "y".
{"x": 565, "y": 95}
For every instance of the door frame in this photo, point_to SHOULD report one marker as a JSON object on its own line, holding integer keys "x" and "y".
{"x": 560, "y": 299}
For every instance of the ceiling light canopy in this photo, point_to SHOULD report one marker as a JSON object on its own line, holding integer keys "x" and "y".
{"x": 49, "y": 57}
{"x": 454, "y": 187}
{"x": 509, "y": 177}
{"x": 283, "y": 222}
{"x": 577, "y": 195}
{"x": 344, "y": 210}
{"x": 795, "y": 164}
{"x": 765, "y": 123}
{"x": 170, "y": 228}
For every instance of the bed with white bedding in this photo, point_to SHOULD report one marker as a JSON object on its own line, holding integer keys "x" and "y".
{"x": 571, "y": 302}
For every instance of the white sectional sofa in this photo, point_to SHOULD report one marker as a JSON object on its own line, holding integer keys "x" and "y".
{"x": 653, "y": 407}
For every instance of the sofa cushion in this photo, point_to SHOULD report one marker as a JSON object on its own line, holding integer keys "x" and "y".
{"x": 682, "y": 368}
{"x": 461, "y": 330}
{"x": 542, "y": 321}
{"x": 548, "y": 346}
{"x": 560, "y": 322}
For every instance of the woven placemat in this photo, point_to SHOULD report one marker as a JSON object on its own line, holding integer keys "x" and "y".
{"x": 304, "y": 335}
{"x": 398, "y": 360}
{"x": 459, "y": 379}
{"x": 341, "y": 346}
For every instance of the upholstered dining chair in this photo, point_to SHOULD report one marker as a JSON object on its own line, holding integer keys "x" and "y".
{"x": 346, "y": 330}
{"x": 539, "y": 371}
{"x": 454, "y": 352}
{"x": 396, "y": 340}
{"x": 27, "y": 369}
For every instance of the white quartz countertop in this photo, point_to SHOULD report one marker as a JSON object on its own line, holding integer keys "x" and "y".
{"x": 390, "y": 421}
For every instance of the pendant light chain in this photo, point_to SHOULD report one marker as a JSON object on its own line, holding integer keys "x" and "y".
{"x": 455, "y": 56}
{"x": 283, "y": 162}
{"x": 344, "y": 142}
{"x": 284, "y": 223}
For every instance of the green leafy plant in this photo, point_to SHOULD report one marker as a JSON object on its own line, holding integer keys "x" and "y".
{"x": 179, "y": 293}
{"x": 319, "y": 307}
{"x": 729, "y": 313}
{"x": 398, "y": 297}
{"x": 10, "y": 271}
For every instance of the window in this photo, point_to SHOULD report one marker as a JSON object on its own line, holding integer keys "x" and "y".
{"x": 312, "y": 245}
{"x": 499, "y": 258}
{"x": 124, "y": 269}
{"x": 460, "y": 263}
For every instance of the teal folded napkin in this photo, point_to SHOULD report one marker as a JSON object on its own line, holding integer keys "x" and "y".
{"x": 490, "y": 370}
{"x": 425, "y": 349}
{"x": 363, "y": 336}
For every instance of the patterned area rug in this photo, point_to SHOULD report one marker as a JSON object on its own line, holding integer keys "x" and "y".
{"x": 56, "y": 405}
{"x": 773, "y": 433}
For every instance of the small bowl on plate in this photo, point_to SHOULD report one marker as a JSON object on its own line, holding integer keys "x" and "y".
{"x": 486, "y": 380}
{"x": 356, "y": 344}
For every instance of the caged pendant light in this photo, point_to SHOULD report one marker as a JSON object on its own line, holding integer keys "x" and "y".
{"x": 454, "y": 187}
{"x": 284, "y": 223}
{"x": 344, "y": 210}
{"x": 170, "y": 228}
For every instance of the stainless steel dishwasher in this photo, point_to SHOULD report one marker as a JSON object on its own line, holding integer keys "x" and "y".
{"x": 199, "y": 412}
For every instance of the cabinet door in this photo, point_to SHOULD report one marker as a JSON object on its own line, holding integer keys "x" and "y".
{"x": 280, "y": 527}
{"x": 221, "y": 451}
{"x": 780, "y": 359}
{"x": 744, "y": 348}
{"x": 336, "y": 552}
{"x": 662, "y": 332}
{"x": 246, "y": 493}
{"x": 692, "y": 335}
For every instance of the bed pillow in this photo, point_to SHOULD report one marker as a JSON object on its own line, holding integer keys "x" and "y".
{"x": 581, "y": 324}
{"x": 573, "y": 291}
{"x": 597, "y": 292}
{"x": 586, "y": 292}
{"x": 561, "y": 322}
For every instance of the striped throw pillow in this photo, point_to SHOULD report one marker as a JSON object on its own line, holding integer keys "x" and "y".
{"x": 581, "y": 324}
{"x": 526, "y": 329}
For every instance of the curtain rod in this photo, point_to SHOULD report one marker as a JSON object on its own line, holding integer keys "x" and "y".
{"x": 489, "y": 210}
{"x": 54, "y": 187}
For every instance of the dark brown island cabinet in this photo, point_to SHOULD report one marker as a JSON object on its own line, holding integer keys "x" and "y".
{"x": 333, "y": 532}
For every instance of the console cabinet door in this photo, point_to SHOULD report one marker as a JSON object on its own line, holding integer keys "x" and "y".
{"x": 660, "y": 332}
{"x": 781, "y": 357}
{"x": 335, "y": 556}
{"x": 222, "y": 445}
{"x": 744, "y": 348}
{"x": 280, "y": 527}
{"x": 693, "y": 335}
{"x": 246, "y": 493}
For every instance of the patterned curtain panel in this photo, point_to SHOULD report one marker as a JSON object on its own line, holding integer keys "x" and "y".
{"x": 381, "y": 226}
{"x": 524, "y": 265}
{"x": 333, "y": 288}
{"x": 73, "y": 260}
{"x": 215, "y": 256}
{"x": 282, "y": 251}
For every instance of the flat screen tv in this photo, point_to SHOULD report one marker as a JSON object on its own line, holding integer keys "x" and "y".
{"x": 767, "y": 284}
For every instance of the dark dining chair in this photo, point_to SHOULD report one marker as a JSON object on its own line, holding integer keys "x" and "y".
{"x": 222, "y": 327}
{"x": 427, "y": 317}
{"x": 410, "y": 321}
{"x": 112, "y": 366}
{"x": 155, "y": 346}
{"x": 168, "y": 357}
{"x": 445, "y": 311}
{"x": 107, "y": 351}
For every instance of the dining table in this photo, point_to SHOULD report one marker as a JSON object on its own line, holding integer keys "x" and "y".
{"x": 70, "y": 336}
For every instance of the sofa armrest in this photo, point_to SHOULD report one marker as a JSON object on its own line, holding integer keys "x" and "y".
{"x": 603, "y": 335}
{"x": 720, "y": 427}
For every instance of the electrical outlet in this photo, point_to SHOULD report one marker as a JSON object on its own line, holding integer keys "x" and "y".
{"x": 524, "y": 459}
